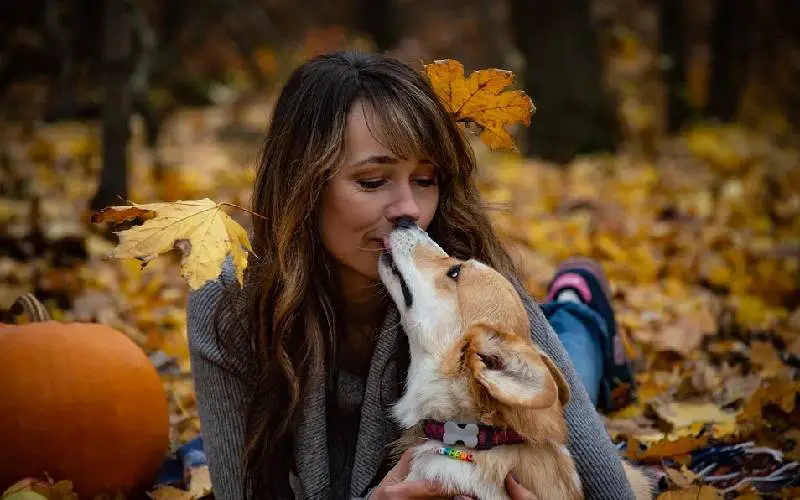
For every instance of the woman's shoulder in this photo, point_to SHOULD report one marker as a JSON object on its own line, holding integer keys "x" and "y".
{"x": 215, "y": 308}
{"x": 208, "y": 296}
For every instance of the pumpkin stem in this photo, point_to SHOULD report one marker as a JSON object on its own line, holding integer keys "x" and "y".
{"x": 28, "y": 303}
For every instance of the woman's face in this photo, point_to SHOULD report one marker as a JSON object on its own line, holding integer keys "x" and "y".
{"x": 372, "y": 189}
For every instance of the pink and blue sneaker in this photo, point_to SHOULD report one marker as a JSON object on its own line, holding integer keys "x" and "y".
{"x": 584, "y": 279}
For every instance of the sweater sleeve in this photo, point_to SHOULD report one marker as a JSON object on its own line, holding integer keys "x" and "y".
{"x": 596, "y": 458}
{"x": 220, "y": 393}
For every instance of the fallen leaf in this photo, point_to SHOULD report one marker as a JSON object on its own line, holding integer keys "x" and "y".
{"x": 36, "y": 489}
{"x": 199, "y": 481}
{"x": 666, "y": 448}
{"x": 634, "y": 426}
{"x": 682, "y": 478}
{"x": 793, "y": 493}
{"x": 749, "y": 495}
{"x": 680, "y": 414}
{"x": 62, "y": 490}
{"x": 777, "y": 391}
{"x": 692, "y": 493}
{"x": 683, "y": 338}
{"x": 764, "y": 356}
{"x": 791, "y": 444}
{"x": 203, "y": 233}
{"x": 25, "y": 495}
{"x": 26, "y": 484}
{"x": 480, "y": 99}
{"x": 794, "y": 347}
{"x": 169, "y": 493}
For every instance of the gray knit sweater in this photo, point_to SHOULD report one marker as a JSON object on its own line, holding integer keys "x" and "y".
{"x": 344, "y": 464}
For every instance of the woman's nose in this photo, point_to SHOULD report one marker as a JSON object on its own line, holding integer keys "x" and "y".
{"x": 404, "y": 206}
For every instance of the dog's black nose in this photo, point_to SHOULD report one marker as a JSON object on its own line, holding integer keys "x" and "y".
{"x": 405, "y": 223}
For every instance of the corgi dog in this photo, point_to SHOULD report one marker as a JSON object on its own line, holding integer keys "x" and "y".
{"x": 481, "y": 398}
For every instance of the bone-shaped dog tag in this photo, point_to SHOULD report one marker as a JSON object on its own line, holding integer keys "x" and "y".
{"x": 466, "y": 433}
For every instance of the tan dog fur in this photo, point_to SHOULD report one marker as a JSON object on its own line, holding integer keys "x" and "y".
{"x": 473, "y": 359}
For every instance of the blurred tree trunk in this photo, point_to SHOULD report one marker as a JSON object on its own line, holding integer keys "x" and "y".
{"x": 564, "y": 77}
{"x": 732, "y": 36}
{"x": 673, "y": 45}
{"x": 491, "y": 33}
{"x": 117, "y": 103}
{"x": 380, "y": 19}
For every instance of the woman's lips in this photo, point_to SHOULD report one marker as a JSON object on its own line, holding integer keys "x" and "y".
{"x": 383, "y": 243}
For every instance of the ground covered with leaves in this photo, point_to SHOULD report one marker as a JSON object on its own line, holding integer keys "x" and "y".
{"x": 700, "y": 242}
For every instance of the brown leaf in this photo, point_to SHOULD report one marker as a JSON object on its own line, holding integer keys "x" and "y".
{"x": 780, "y": 392}
{"x": 169, "y": 493}
{"x": 794, "y": 347}
{"x": 117, "y": 214}
{"x": 199, "y": 481}
{"x": 29, "y": 488}
{"x": 666, "y": 448}
{"x": 682, "y": 478}
{"x": 793, "y": 493}
{"x": 681, "y": 415}
{"x": 683, "y": 337}
{"x": 25, "y": 495}
{"x": 693, "y": 493}
{"x": 738, "y": 387}
{"x": 764, "y": 356}
{"x": 791, "y": 444}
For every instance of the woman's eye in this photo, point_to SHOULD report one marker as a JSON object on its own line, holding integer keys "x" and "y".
{"x": 426, "y": 182}
{"x": 453, "y": 272}
{"x": 371, "y": 184}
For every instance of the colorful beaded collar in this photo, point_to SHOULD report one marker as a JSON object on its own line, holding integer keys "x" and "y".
{"x": 471, "y": 435}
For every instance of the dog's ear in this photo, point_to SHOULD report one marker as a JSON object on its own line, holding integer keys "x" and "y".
{"x": 512, "y": 370}
{"x": 561, "y": 382}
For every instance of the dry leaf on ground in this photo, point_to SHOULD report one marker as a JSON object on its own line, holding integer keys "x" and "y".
{"x": 692, "y": 493}
{"x": 666, "y": 448}
{"x": 682, "y": 478}
{"x": 684, "y": 414}
{"x": 199, "y": 481}
{"x": 169, "y": 493}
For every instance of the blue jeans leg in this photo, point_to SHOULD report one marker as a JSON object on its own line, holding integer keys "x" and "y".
{"x": 580, "y": 330}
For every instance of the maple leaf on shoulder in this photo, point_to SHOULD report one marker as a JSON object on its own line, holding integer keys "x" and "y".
{"x": 480, "y": 99}
{"x": 200, "y": 229}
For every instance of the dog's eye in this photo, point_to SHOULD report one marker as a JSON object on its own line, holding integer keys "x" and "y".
{"x": 453, "y": 272}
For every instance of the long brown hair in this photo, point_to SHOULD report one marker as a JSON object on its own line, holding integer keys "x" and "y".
{"x": 290, "y": 322}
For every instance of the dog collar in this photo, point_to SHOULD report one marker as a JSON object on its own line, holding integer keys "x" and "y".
{"x": 471, "y": 435}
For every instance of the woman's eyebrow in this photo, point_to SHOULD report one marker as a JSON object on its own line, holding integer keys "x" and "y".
{"x": 381, "y": 159}
{"x": 377, "y": 159}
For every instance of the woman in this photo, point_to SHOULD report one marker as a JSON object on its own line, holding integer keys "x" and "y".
{"x": 295, "y": 373}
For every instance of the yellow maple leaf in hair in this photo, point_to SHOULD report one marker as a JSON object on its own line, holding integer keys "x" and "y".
{"x": 481, "y": 99}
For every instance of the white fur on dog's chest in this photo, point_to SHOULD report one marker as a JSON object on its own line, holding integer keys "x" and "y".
{"x": 464, "y": 478}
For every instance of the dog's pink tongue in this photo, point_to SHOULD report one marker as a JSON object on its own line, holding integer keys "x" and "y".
{"x": 387, "y": 246}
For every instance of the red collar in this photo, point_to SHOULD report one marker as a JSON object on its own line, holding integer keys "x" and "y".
{"x": 471, "y": 435}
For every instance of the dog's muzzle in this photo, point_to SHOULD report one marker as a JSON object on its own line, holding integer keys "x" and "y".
{"x": 398, "y": 256}
{"x": 408, "y": 299}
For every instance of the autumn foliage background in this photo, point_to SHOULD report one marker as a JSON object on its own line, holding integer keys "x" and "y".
{"x": 698, "y": 225}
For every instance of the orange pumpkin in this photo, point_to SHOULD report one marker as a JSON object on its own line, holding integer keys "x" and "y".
{"x": 79, "y": 401}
